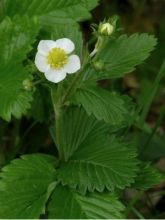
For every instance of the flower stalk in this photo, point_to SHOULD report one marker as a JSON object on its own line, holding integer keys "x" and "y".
{"x": 58, "y": 105}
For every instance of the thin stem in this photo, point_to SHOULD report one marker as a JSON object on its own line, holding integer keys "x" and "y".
{"x": 153, "y": 93}
{"x": 145, "y": 108}
{"x": 58, "y": 125}
{"x": 58, "y": 109}
{"x": 38, "y": 82}
{"x": 58, "y": 105}
{"x": 158, "y": 122}
{"x": 149, "y": 203}
{"x": 71, "y": 87}
{"x": 133, "y": 202}
{"x": 137, "y": 213}
{"x": 132, "y": 120}
{"x": 74, "y": 83}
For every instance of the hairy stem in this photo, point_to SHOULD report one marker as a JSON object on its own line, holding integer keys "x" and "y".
{"x": 58, "y": 124}
{"x": 58, "y": 127}
{"x": 58, "y": 105}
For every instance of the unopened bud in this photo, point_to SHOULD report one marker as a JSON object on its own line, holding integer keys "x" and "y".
{"x": 27, "y": 84}
{"x": 106, "y": 29}
{"x": 98, "y": 65}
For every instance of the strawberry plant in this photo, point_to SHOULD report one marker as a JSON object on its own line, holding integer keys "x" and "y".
{"x": 50, "y": 73}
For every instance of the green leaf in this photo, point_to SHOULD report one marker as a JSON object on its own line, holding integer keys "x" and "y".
{"x": 100, "y": 162}
{"x": 147, "y": 177}
{"x": 76, "y": 126}
{"x": 74, "y": 9}
{"x": 104, "y": 105}
{"x": 67, "y": 204}
{"x": 120, "y": 56}
{"x": 62, "y": 28}
{"x": 16, "y": 38}
{"x": 25, "y": 186}
{"x": 14, "y": 100}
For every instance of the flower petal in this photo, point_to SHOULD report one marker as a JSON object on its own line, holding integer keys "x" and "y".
{"x": 45, "y": 46}
{"x": 73, "y": 64}
{"x": 41, "y": 62}
{"x": 65, "y": 44}
{"x": 55, "y": 75}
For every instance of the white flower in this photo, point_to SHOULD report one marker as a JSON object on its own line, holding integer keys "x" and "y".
{"x": 54, "y": 60}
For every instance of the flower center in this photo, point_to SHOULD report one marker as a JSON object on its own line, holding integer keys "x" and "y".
{"x": 57, "y": 58}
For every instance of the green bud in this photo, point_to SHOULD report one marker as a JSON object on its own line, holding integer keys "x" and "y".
{"x": 98, "y": 65}
{"x": 27, "y": 84}
{"x": 106, "y": 29}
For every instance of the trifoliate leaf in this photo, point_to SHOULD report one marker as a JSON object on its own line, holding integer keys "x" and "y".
{"x": 74, "y": 9}
{"x": 100, "y": 162}
{"x": 76, "y": 125}
{"x": 104, "y": 105}
{"x": 16, "y": 38}
{"x": 25, "y": 186}
{"x": 67, "y": 204}
{"x": 147, "y": 177}
{"x": 120, "y": 56}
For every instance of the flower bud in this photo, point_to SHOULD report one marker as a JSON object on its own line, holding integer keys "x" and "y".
{"x": 27, "y": 84}
{"x": 98, "y": 65}
{"x": 106, "y": 29}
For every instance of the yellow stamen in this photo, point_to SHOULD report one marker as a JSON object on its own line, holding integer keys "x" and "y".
{"x": 57, "y": 58}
